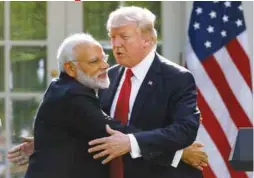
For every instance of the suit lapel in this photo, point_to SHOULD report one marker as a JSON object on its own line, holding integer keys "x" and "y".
{"x": 151, "y": 81}
{"x": 110, "y": 92}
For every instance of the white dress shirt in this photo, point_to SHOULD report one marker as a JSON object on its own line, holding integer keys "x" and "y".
{"x": 139, "y": 73}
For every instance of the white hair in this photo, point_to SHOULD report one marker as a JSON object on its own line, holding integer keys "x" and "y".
{"x": 144, "y": 19}
{"x": 65, "y": 50}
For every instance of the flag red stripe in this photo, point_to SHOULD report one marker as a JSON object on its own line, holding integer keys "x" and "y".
{"x": 240, "y": 59}
{"x": 208, "y": 172}
{"x": 215, "y": 73}
{"x": 215, "y": 131}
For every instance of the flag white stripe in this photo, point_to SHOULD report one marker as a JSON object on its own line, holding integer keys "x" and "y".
{"x": 250, "y": 174}
{"x": 236, "y": 81}
{"x": 216, "y": 161}
{"x": 243, "y": 40}
{"x": 212, "y": 97}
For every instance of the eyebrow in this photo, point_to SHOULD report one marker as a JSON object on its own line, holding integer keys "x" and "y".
{"x": 93, "y": 59}
{"x": 96, "y": 58}
{"x": 121, "y": 33}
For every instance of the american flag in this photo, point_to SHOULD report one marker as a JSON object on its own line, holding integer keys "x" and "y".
{"x": 217, "y": 56}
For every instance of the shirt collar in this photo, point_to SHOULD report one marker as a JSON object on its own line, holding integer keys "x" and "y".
{"x": 141, "y": 69}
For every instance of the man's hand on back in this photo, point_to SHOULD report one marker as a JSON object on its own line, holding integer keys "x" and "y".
{"x": 19, "y": 154}
{"x": 110, "y": 147}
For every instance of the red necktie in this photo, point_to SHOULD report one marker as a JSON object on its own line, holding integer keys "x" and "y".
{"x": 121, "y": 113}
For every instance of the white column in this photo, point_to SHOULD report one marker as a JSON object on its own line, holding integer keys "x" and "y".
{"x": 248, "y": 15}
{"x": 73, "y": 17}
{"x": 188, "y": 10}
{"x": 56, "y": 33}
{"x": 173, "y": 34}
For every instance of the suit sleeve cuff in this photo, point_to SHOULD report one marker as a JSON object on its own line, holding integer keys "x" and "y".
{"x": 135, "y": 150}
{"x": 177, "y": 158}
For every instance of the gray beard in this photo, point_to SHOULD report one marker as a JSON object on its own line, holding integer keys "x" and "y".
{"x": 92, "y": 82}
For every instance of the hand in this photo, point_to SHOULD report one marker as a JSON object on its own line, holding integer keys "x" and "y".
{"x": 113, "y": 146}
{"x": 195, "y": 156}
{"x": 19, "y": 154}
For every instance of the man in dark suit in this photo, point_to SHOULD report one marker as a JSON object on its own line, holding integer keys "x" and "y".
{"x": 70, "y": 114}
{"x": 162, "y": 101}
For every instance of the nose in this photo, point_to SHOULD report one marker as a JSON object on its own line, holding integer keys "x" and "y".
{"x": 116, "y": 42}
{"x": 105, "y": 65}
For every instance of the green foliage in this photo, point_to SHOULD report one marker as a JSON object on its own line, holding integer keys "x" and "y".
{"x": 22, "y": 59}
{"x": 19, "y": 54}
{"x": 95, "y": 17}
{"x": 23, "y": 117}
{"x": 28, "y": 20}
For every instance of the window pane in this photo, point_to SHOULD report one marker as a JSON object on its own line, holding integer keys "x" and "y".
{"x": 154, "y": 6}
{"x": 1, "y": 68}
{"x": 28, "y": 66}
{"x": 2, "y": 139}
{"x": 28, "y": 21}
{"x": 1, "y": 20}
{"x": 23, "y": 112}
{"x": 95, "y": 17}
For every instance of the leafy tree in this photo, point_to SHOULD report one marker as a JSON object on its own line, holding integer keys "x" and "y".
{"x": 95, "y": 17}
{"x": 28, "y": 20}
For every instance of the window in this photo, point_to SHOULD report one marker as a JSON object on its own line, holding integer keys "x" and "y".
{"x": 96, "y": 15}
{"x": 32, "y": 58}
{"x": 23, "y": 59}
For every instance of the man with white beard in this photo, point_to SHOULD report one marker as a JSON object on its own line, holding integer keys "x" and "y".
{"x": 70, "y": 114}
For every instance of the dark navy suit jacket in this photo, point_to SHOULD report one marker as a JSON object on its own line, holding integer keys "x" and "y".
{"x": 166, "y": 110}
{"x": 67, "y": 119}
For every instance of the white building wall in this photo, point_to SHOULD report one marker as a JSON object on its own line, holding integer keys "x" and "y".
{"x": 173, "y": 30}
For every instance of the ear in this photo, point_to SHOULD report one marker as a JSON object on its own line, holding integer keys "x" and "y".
{"x": 147, "y": 42}
{"x": 70, "y": 69}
